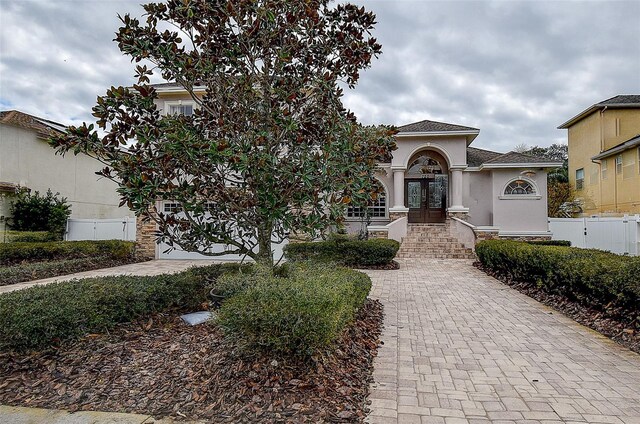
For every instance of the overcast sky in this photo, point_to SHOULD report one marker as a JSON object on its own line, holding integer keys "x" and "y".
{"x": 514, "y": 69}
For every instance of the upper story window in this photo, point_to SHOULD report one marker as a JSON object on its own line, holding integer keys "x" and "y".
{"x": 377, "y": 209}
{"x": 619, "y": 164}
{"x": 180, "y": 107}
{"x": 579, "y": 178}
{"x": 519, "y": 187}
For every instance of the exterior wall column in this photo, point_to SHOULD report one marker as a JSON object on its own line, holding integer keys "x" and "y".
{"x": 456, "y": 190}
{"x": 398, "y": 209}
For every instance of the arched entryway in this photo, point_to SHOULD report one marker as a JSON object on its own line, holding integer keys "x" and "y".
{"x": 426, "y": 187}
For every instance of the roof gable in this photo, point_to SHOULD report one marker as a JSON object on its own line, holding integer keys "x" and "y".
{"x": 433, "y": 126}
{"x": 44, "y": 127}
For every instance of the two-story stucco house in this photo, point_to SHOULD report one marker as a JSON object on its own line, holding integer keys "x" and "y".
{"x": 441, "y": 194}
{"x": 604, "y": 156}
{"x": 28, "y": 162}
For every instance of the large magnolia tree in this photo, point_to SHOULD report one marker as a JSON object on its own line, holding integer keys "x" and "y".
{"x": 269, "y": 149}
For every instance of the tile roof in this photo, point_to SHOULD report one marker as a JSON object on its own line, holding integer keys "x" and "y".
{"x": 515, "y": 157}
{"x": 433, "y": 126}
{"x": 476, "y": 157}
{"x": 44, "y": 127}
{"x": 622, "y": 99}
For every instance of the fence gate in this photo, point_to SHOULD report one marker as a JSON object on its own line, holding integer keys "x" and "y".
{"x": 619, "y": 235}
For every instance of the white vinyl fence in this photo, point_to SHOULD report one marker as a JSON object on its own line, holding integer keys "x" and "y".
{"x": 619, "y": 235}
{"x": 101, "y": 229}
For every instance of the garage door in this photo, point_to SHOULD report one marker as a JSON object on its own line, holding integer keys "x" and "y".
{"x": 178, "y": 253}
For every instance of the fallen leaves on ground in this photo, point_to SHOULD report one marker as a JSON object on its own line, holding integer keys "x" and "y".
{"x": 162, "y": 367}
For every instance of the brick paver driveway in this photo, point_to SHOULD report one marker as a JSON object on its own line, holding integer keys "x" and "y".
{"x": 461, "y": 347}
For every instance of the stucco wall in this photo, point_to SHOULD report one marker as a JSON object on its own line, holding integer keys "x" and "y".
{"x": 522, "y": 214}
{"x": 30, "y": 162}
{"x": 453, "y": 147}
{"x": 477, "y": 195}
{"x": 608, "y": 193}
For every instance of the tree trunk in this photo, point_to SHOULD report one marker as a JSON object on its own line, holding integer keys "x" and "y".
{"x": 265, "y": 255}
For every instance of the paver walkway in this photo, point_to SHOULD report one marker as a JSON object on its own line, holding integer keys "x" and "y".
{"x": 461, "y": 347}
{"x": 162, "y": 266}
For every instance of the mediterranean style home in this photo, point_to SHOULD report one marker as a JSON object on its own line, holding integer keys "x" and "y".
{"x": 441, "y": 194}
{"x": 604, "y": 156}
{"x": 28, "y": 162}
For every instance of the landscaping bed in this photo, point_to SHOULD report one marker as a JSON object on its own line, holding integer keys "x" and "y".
{"x": 162, "y": 367}
{"x": 598, "y": 289}
{"x": 34, "y": 260}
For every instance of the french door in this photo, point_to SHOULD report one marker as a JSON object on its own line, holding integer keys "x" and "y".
{"x": 427, "y": 199}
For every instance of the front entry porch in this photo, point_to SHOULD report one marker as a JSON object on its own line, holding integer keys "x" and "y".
{"x": 427, "y": 199}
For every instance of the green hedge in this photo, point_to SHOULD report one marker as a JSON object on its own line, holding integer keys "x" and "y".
{"x": 304, "y": 310}
{"x": 345, "y": 251}
{"x": 593, "y": 277}
{"x": 566, "y": 243}
{"x": 13, "y": 253}
{"x": 27, "y": 236}
{"x": 41, "y": 316}
{"x": 37, "y": 270}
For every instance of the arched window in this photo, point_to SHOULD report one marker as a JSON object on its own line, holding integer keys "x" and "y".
{"x": 424, "y": 164}
{"x": 377, "y": 208}
{"x": 520, "y": 187}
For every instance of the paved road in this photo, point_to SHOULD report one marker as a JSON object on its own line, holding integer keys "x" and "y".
{"x": 460, "y": 347}
{"x": 162, "y": 266}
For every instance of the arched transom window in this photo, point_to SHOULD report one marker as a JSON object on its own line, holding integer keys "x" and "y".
{"x": 519, "y": 187}
{"x": 424, "y": 164}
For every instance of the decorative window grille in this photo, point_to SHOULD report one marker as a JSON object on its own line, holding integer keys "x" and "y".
{"x": 171, "y": 207}
{"x": 519, "y": 187}
{"x": 377, "y": 209}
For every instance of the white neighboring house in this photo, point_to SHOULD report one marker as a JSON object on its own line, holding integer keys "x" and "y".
{"x": 27, "y": 161}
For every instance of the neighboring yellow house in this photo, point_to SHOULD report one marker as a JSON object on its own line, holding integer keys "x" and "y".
{"x": 604, "y": 156}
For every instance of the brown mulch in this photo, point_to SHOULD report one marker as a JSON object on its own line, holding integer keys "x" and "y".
{"x": 165, "y": 368}
{"x": 620, "y": 325}
{"x": 390, "y": 266}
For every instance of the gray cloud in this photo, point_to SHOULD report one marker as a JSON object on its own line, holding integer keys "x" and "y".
{"x": 514, "y": 69}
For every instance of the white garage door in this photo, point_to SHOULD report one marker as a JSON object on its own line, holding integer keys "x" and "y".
{"x": 181, "y": 254}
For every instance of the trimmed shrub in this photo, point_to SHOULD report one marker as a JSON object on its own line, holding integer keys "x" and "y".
{"x": 27, "y": 236}
{"x": 32, "y": 212}
{"x": 41, "y": 316}
{"x": 296, "y": 314}
{"x": 566, "y": 243}
{"x": 37, "y": 270}
{"x": 13, "y": 253}
{"x": 345, "y": 251}
{"x": 591, "y": 276}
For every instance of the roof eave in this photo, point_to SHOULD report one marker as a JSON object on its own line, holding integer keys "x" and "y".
{"x": 469, "y": 135}
{"x": 594, "y": 108}
{"x": 197, "y": 89}
{"x": 521, "y": 165}
{"x": 618, "y": 149}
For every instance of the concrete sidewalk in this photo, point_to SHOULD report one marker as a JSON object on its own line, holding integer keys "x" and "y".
{"x": 19, "y": 415}
{"x": 461, "y": 347}
{"x": 156, "y": 267}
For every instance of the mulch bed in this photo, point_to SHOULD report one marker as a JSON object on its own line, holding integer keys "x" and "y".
{"x": 164, "y": 368}
{"x": 390, "y": 266}
{"x": 620, "y": 325}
